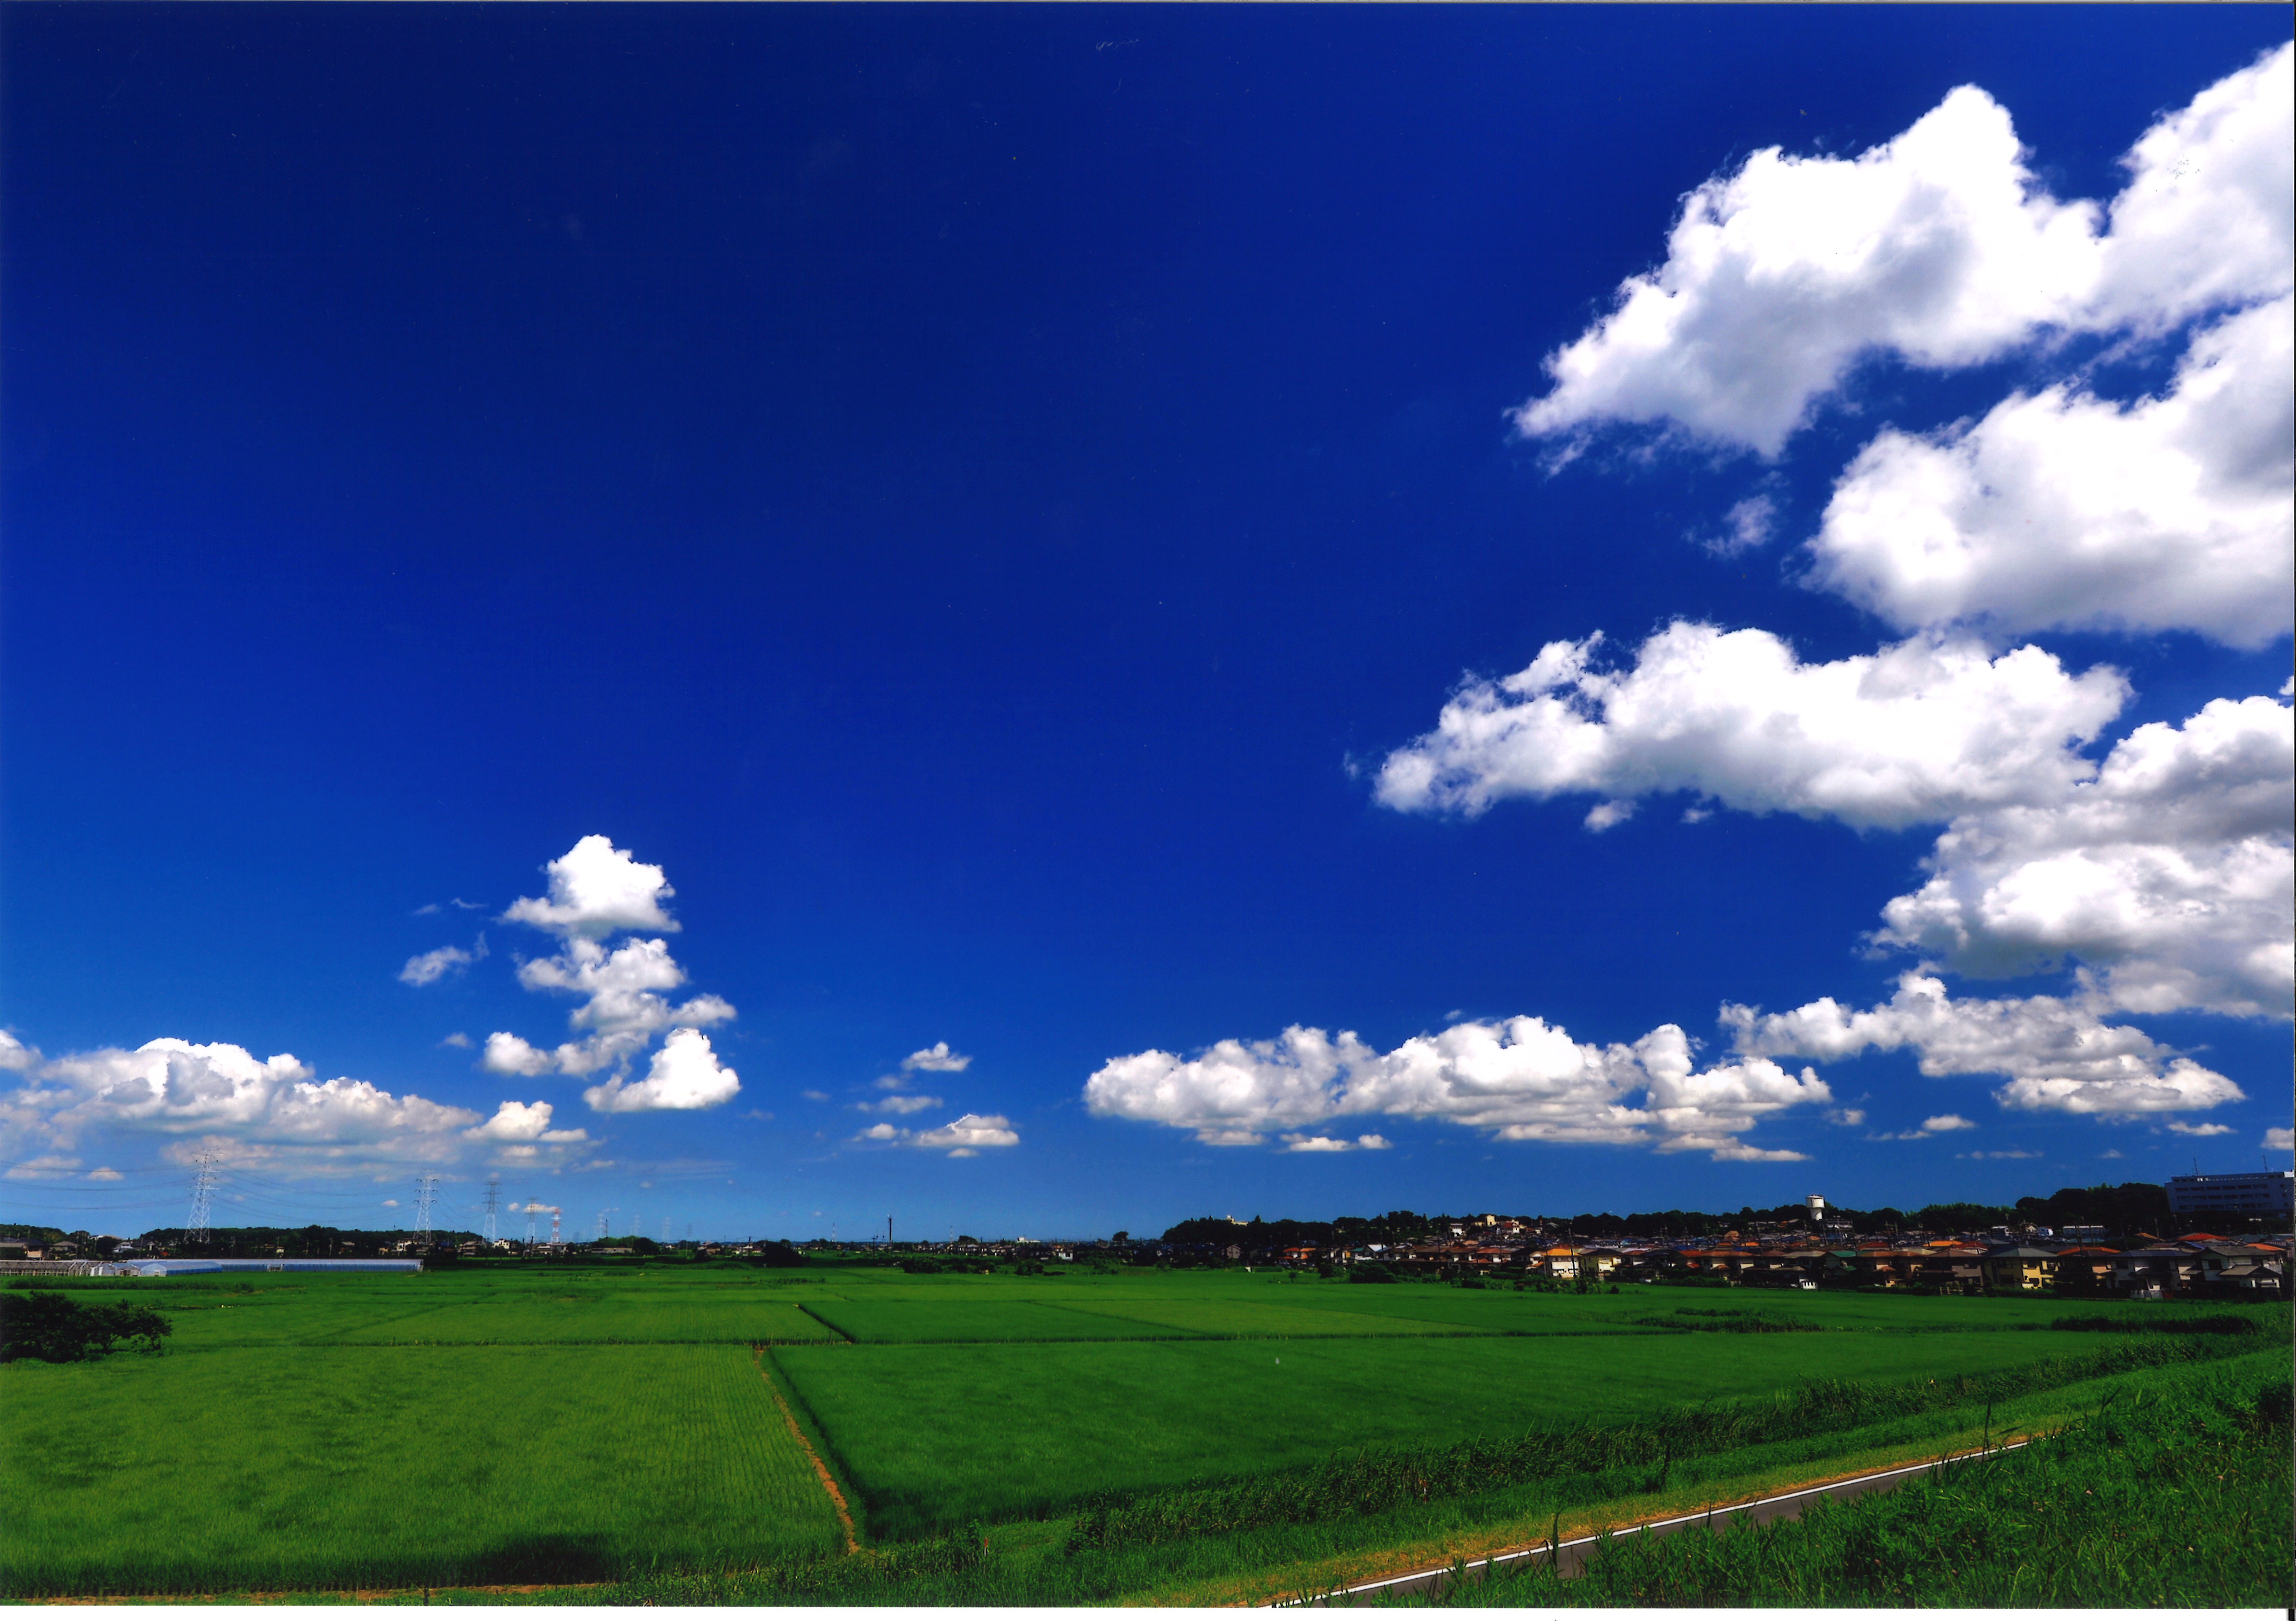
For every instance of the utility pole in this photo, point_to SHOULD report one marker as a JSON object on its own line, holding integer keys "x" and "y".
{"x": 494, "y": 1201}
{"x": 426, "y": 1188}
{"x": 888, "y": 1232}
{"x": 196, "y": 1230}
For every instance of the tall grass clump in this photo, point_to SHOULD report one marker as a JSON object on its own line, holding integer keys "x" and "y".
{"x": 2178, "y": 1498}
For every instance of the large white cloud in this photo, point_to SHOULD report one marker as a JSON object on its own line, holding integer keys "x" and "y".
{"x": 1519, "y": 1079}
{"x": 2059, "y": 509}
{"x": 1937, "y": 245}
{"x": 596, "y": 890}
{"x": 623, "y": 1010}
{"x": 685, "y": 1074}
{"x": 2057, "y": 1054}
{"x": 1940, "y": 247}
{"x": 223, "y": 1093}
{"x": 2169, "y": 877}
{"x": 2206, "y": 219}
{"x": 1919, "y": 731}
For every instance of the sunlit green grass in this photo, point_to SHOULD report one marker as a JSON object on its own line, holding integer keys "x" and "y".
{"x": 935, "y": 1435}
{"x": 954, "y": 1321}
{"x": 2181, "y": 1500}
{"x": 273, "y": 1468}
{"x": 565, "y": 1421}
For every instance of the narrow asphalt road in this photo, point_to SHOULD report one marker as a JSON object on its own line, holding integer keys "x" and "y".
{"x": 1571, "y": 1556}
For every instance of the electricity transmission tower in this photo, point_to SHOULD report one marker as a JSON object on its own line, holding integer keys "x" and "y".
{"x": 531, "y": 1207}
{"x": 494, "y": 1199}
{"x": 554, "y": 1226}
{"x": 195, "y": 1230}
{"x": 601, "y": 1224}
{"x": 426, "y": 1188}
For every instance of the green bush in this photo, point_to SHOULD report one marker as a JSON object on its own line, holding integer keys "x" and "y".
{"x": 55, "y": 1328}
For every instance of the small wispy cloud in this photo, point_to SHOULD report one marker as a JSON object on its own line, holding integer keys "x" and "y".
{"x": 429, "y": 967}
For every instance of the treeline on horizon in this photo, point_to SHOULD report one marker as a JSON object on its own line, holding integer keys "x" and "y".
{"x": 235, "y": 1243}
{"x": 2128, "y": 1207}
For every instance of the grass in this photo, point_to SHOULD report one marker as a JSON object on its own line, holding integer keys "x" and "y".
{"x": 384, "y": 1465}
{"x": 2181, "y": 1501}
{"x": 564, "y": 1423}
{"x": 1026, "y": 1565}
{"x": 935, "y": 1436}
{"x": 945, "y": 1321}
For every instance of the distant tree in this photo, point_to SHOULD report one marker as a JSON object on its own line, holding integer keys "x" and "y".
{"x": 54, "y": 1327}
{"x": 779, "y": 1254}
{"x": 1120, "y": 1237}
{"x": 1959, "y": 1217}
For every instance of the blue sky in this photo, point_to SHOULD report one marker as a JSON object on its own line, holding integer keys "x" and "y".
{"x": 1069, "y": 540}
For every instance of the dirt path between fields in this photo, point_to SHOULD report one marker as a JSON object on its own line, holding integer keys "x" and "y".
{"x": 828, "y": 1481}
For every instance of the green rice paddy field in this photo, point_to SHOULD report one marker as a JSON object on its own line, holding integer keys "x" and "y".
{"x": 560, "y": 1424}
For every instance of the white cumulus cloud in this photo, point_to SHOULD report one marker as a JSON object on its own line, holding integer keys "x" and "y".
{"x": 269, "y": 1108}
{"x": 936, "y": 1059}
{"x": 1295, "y": 1143}
{"x": 1519, "y": 1080}
{"x": 1940, "y": 247}
{"x": 515, "y": 1122}
{"x": 2169, "y": 877}
{"x": 967, "y": 1134}
{"x": 686, "y": 1074}
{"x": 2058, "y": 1055}
{"x": 2062, "y": 510}
{"x": 1947, "y": 1123}
{"x": 596, "y": 890}
{"x": 1919, "y": 731}
{"x": 2205, "y": 220}
{"x": 2279, "y": 1137}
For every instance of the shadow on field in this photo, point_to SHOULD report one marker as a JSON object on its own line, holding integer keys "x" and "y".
{"x": 547, "y": 1558}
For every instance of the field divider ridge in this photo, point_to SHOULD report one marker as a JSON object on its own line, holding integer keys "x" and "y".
{"x": 826, "y": 1323}
{"x": 788, "y": 1401}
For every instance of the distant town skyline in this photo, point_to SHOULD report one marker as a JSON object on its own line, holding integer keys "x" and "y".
{"x": 1031, "y": 619}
